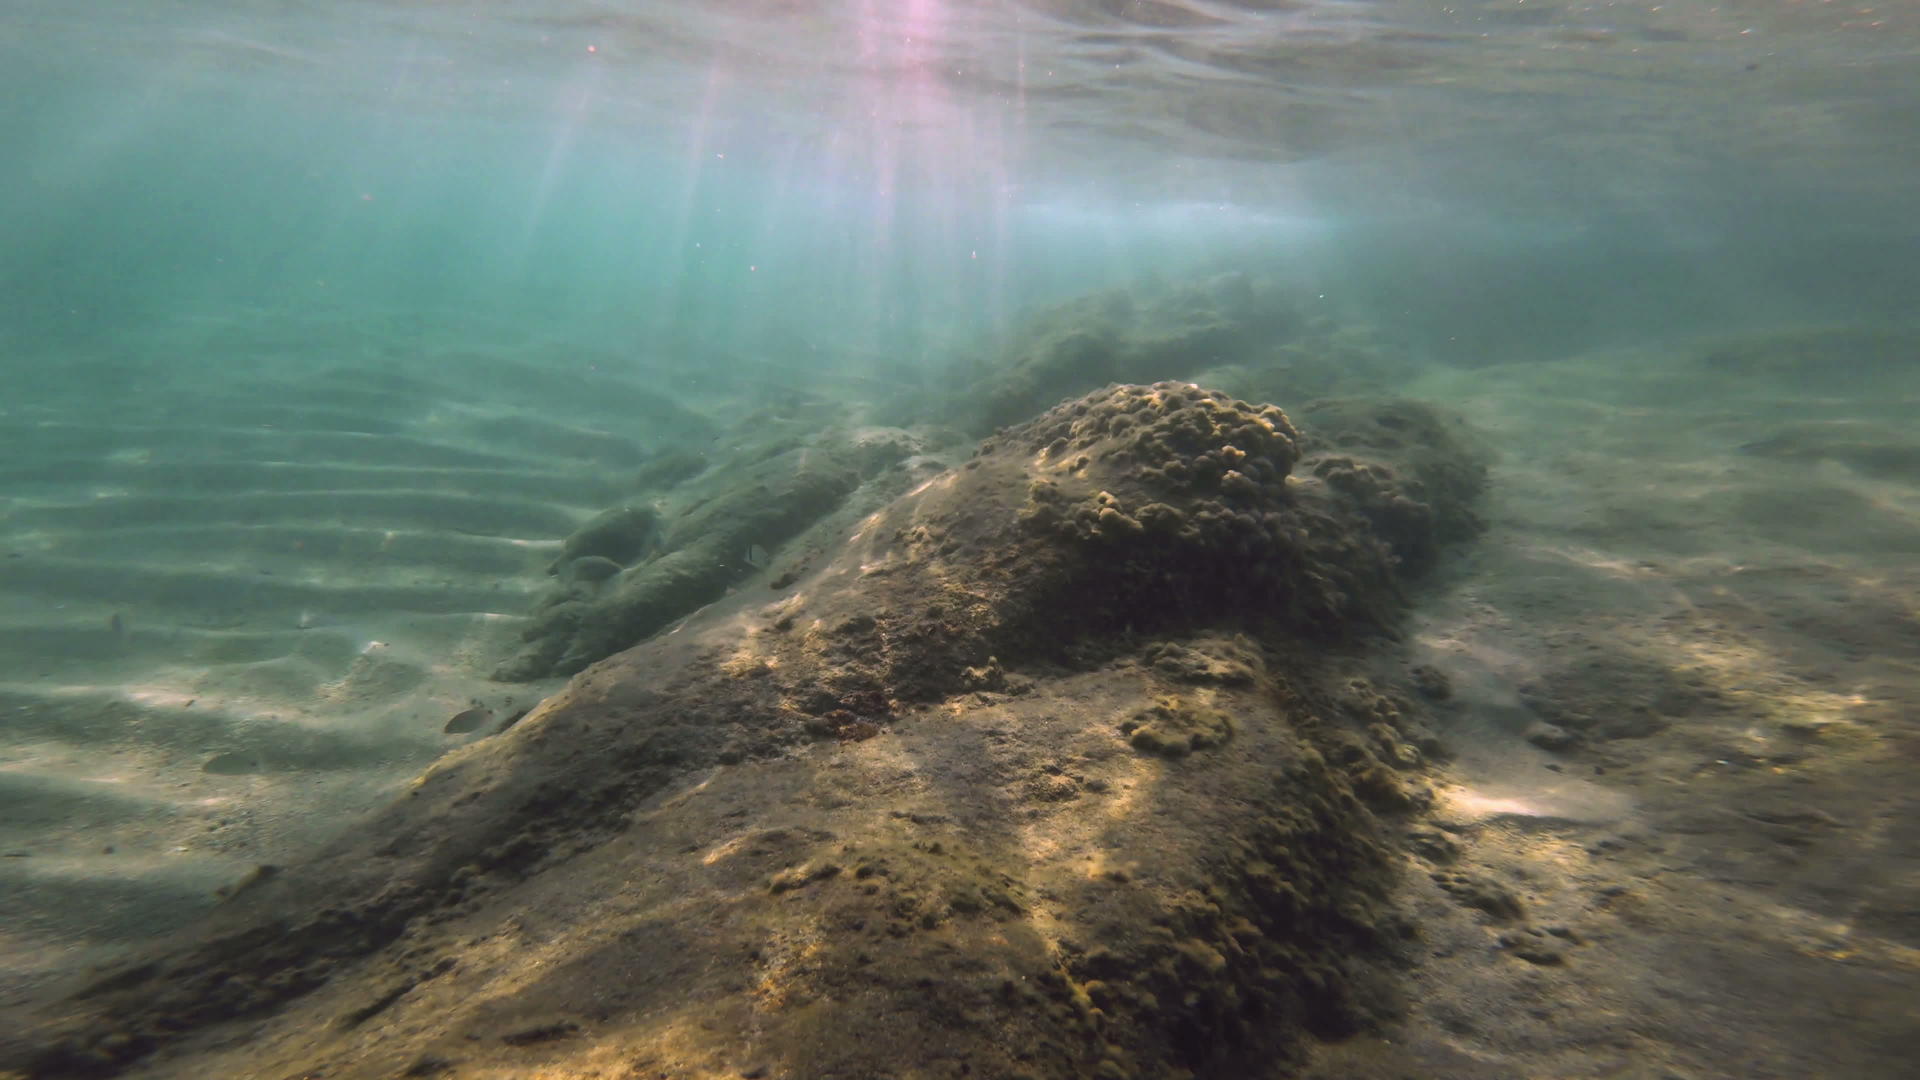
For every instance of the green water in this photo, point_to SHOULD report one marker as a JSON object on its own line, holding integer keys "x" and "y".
{"x": 875, "y": 182}
{"x": 323, "y": 326}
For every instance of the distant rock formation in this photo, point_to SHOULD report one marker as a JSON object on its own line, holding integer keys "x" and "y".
{"x": 1116, "y": 336}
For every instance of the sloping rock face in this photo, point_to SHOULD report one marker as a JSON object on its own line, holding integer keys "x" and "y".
{"x": 580, "y": 621}
{"x": 634, "y": 571}
{"x": 1060, "y": 767}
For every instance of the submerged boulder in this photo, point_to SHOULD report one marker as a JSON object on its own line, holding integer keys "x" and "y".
{"x": 1062, "y": 765}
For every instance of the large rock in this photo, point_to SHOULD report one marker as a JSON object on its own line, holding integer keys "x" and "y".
{"x": 1060, "y": 767}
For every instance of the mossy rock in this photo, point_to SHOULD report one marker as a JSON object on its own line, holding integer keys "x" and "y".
{"x": 1176, "y": 728}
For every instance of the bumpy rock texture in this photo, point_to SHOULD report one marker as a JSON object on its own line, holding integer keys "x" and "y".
{"x": 634, "y": 571}
{"x": 1415, "y": 474}
{"x": 591, "y": 616}
{"x": 1060, "y": 767}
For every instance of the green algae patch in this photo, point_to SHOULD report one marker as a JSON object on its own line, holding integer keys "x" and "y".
{"x": 1176, "y": 728}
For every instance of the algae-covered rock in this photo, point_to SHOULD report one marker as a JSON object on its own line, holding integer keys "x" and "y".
{"x": 588, "y": 569}
{"x": 635, "y": 570}
{"x": 1413, "y": 471}
{"x": 621, "y": 535}
{"x": 879, "y": 824}
{"x": 1176, "y": 503}
{"x": 1176, "y": 728}
{"x": 688, "y": 562}
{"x": 669, "y": 469}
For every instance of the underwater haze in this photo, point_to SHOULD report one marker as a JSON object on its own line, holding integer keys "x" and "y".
{"x": 922, "y": 538}
{"x": 859, "y": 171}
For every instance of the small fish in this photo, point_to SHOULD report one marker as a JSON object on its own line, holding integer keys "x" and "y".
{"x": 756, "y": 557}
{"x": 117, "y": 625}
{"x": 233, "y": 763}
{"x": 258, "y": 876}
{"x": 467, "y": 720}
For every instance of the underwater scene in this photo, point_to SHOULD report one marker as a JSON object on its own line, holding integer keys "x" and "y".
{"x": 922, "y": 539}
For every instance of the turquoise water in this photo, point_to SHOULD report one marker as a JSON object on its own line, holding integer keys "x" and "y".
{"x": 334, "y": 334}
{"x": 877, "y": 175}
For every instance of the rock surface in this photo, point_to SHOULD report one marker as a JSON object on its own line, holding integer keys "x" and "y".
{"x": 1063, "y": 765}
